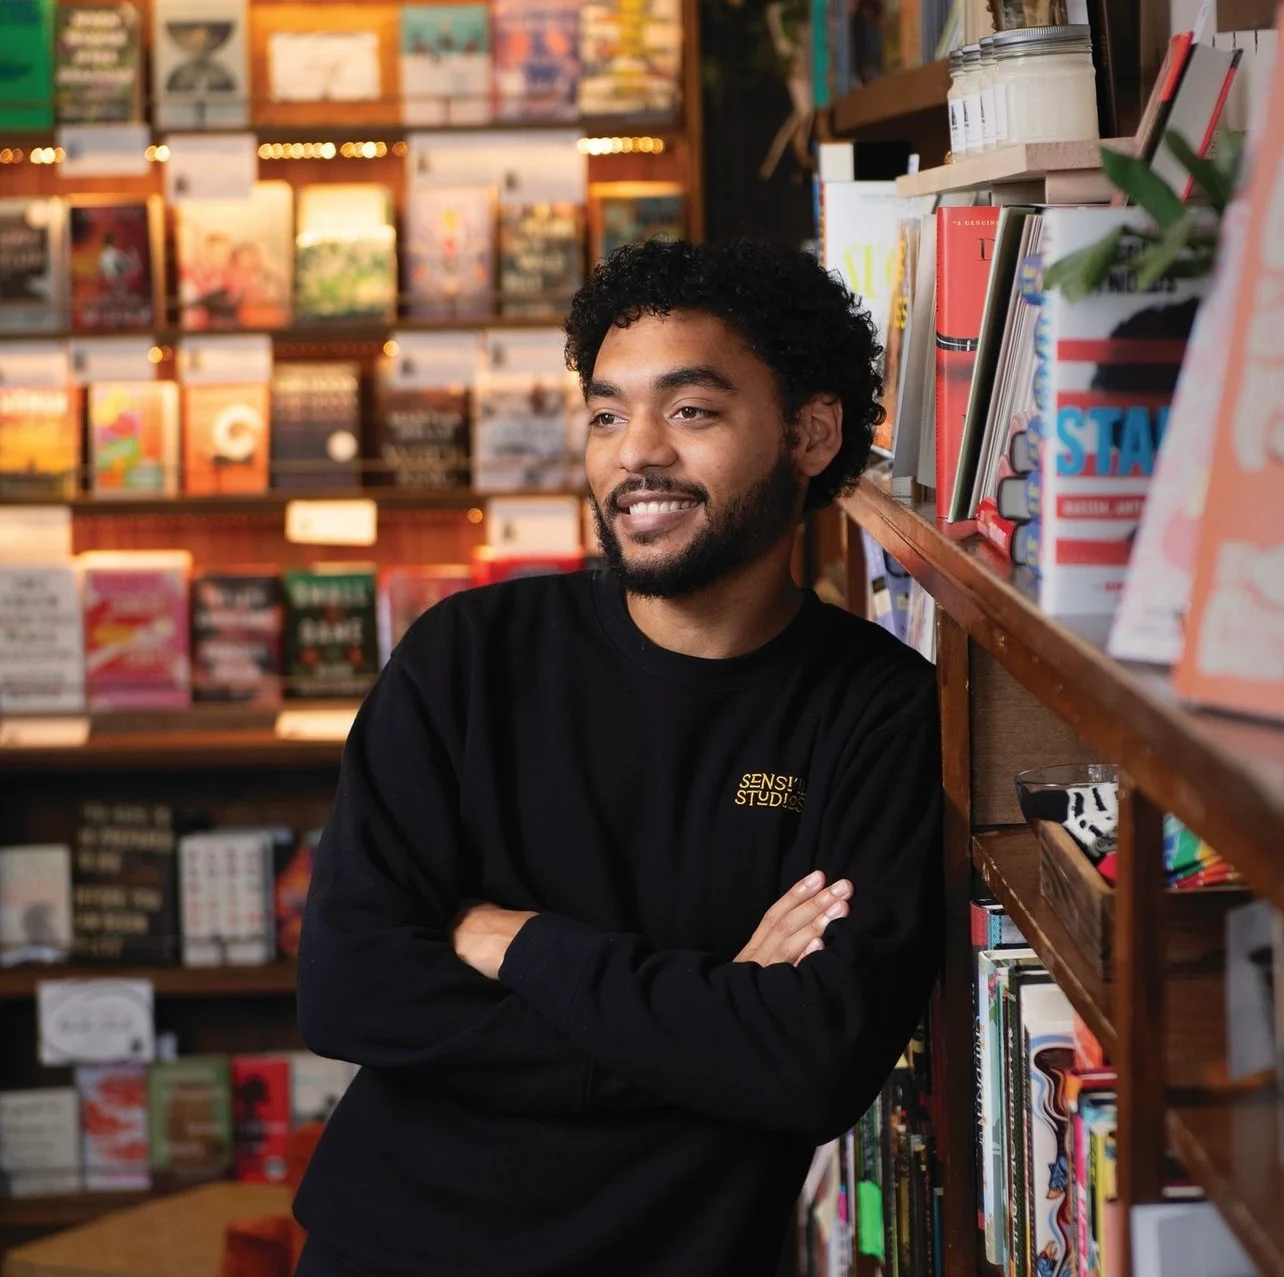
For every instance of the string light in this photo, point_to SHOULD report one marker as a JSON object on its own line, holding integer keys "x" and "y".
{"x": 620, "y": 145}
{"x": 329, "y": 150}
{"x": 390, "y": 348}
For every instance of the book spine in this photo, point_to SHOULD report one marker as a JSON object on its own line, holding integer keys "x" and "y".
{"x": 997, "y": 530}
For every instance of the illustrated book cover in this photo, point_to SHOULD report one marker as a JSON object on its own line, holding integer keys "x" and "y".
{"x": 190, "y": 1120}
{"x": 200, "y": 64}
{"x": 39, "y": 441}
{"x": 225, "y": 438}
{"x": 445, "y": 64}
{"x": 33, "y": 265}
{"x": 260, "y": 1117}
{"x": 537, "y": 65}
{"x": 35, "y": 904}
{"x": 520, "y": 439}
{"x": 133, "y": 438}
{"x": 331, "y": 643}
{"x": 345, "y": 253}
{"x": 26, "y": 66}
{"x": 622, "y": 213}
{"x": 541, "y": 258}
{"x": 407, "y": 591}
{"x": 238, "y": 622}
{"x": 116, "y": 273}
{"x": 113, "y": 1118}
{"x": 450, "y": 237}
{"x": 98, "y": 57}
{"x": 631, "y": 58}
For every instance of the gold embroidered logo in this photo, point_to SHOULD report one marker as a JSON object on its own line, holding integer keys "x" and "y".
{"x": 772, "y": 789}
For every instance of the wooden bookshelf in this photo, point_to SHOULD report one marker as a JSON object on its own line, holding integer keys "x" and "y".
{"x": 891, "y": 99}
{"x": 68, "y": 1209}
{"x": 276, "y": 979}
{"x": 1062, "y": 172}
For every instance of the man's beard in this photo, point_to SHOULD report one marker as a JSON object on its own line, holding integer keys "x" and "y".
{"x": 742, "y": 531}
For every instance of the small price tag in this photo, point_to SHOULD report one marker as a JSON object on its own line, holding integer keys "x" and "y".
{"x": 34, "y": 363}
{"x": 95, "y": 1021}
{"x": 314, "y": 724}
{"x": 35, "y": 534}
{"x": 202, "y": 166}
{"x": 226, "y": 357}
{"x": 104, "y": 150}
{"x": 353, "y": 522}
{"x": 44, "y": 733}
{"x": 111, "y": 359}
{"x": 534, "y": 525}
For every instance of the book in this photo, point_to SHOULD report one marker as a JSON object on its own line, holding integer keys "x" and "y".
{"x": 407, "y": 591}
{"x": 200, "y": 64}
{"x": 124, "y": 884}
{"x": 225, "y": 438}
{"x": 98, "y": 56}
{"x": 541, "y": 258}
{"x": 445, "y": 64}
{"x": 133, "y": 438}
{"x": 115, "y": 271}
{"x": 623, "y": 213}
{"x": 916, "y": 404}
{"x": 190, "y": 1119}
{"x": 450, "y": 244}
{"x": 136, "y": 628}
{"x": 42, "y": 640}
{"x": 236, "y": 259}
{"x": 35, "y": 904}
{"x": 345, "y": 264}
{"x": 225, "y": 883}
{"x": 1195, "y": 109}
{"x": 40, "y": 1142}
{"x": 316, "y": 1086}
{"x": 520, "y": 439}
{"x": 491, "y": 566}
{"x": 113, "y": 1119}
{"x": 896, "y": 346}
{"x": 39, "y": 441}
{"x": 1186, "y": 1239}
{"x": 26, "y": 88}
{"x": 316, "y": 426}
{"x": 261, "y": 1117}
{"x": 33, "y": 274}
{"x": 536, "y": 59}
{"x": 293, "y": 877}
{"x": 1151, "y": 127}
{"x": 424, "y": 435}
{"x": 331, "y": 644}
{"x": 631, "y": 58}
{"x": 238, "y": 621}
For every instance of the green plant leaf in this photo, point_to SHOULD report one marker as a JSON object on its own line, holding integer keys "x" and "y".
{"x": 1135, "y": 178}
{"x": 1215, "y": 184}
{"x": 1228, "y": 155}
{"x": 1156, "y": 261}
{"x": 1082, "y": 272}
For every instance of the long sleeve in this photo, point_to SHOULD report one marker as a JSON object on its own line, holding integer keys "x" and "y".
{"x": 800, "y": 1049}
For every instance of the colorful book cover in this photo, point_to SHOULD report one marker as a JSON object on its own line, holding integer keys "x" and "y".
{"x": 316, "y": 426}
{"x": 964, "y": 253}
{"x": 26, "y": 66}
{"x": 133, "y": 438}
{"x": 225, "y": 438}
{"x": 39, "y": 441}
{"x": 260, "y": 1117}
{"x": 898, "y": 319}
{"x": 1110, "y": 364}
{"x": 98, "y": 57}
{"x": 113, "y": 1119}
{"x": 345, "y": 253}
{"x": 407, "y": 591}
{"x": 537, "y": 65}
{"x": 541, "y": 258}
{"x": 190, "y": 1119}
{"x": 236, "y": 259}
{"x": 331, "y": 646}
{"x": 40, "y": 1142}
{"x": 238, "y": 621}
{"x": 623, "y": 213}
{"x": 115, "y": 272}
{"x": 200, "y": 64}
{"x": 42, "y": 641}
{"x": 424, "y": 436}
{"x": 520, "y": 426}
{"x": 316, "y": 1086}
{"x": 137, "y": 629}
{"x": 631, "y": 58}
{"x": 33, "y": 282}
{"x": 124, "y": 884}
{"x": 35, "y": 904}
{"x": 450, "y": 252}
{"x": 491, "y": 566}
{"x": 293, "y": 877}
{"x": 445, "y": 64}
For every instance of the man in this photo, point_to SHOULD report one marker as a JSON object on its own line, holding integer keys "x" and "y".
{"x": 630, "y": 895}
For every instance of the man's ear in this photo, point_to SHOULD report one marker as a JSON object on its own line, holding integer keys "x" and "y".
{"x": 819, "y": 433}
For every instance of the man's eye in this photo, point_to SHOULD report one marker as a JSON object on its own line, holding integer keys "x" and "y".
{"x": 603, "y": 419}
{"x": 689, "y": 412}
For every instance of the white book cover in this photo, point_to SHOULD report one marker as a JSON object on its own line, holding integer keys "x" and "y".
{"x": 40, "y": 1142}
{"x": 250, "y": 931}
{"x": 1186, "y": 1239}
{"x": 200, "y": 64}
{"x": 521, "y": 432}
{"x": 42, "y": 640}
{"x": 199, "y": 877}
{"x": 35, "y": 904}
{"x": 316, "y": 1086}
{"x": 445, "y": 64}
{"x": 323, "y": 66}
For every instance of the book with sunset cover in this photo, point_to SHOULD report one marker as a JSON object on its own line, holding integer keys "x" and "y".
{"x": 39, "y": 441}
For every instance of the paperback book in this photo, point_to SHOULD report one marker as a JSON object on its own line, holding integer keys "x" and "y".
{"x": 133, "y": 438}
{"x": 39, "y": 441}
{"x": 113, "y": 1117}
{"x": 331, "y": 647}
{"x": 26, "y": 89}
{"x": 450, "y": 252}
{"x": 33, "y": 276}
{"x": 346, "y": 253}
{"x": 98, "y": 57}
{"x": 541, "y": 258}
{"x": 42, "y": 640}
{"x": 35, "y": 904}
{"x": 238, "y": 621}
{"x": 261, "y": 1117}
{"x": 537, "y": 66}
{"x": 316, "y": 1086}
{"x": 200, "y": 64}
{"x": 424, "y": 436}
{"x": 631, "y": 58}
{"x": 445, "y": 64}
{"x": 115, "y": 273}
{"x": 520, "y": 432}
{"x": 407, "y": 591}
{"x": 624, "y": 213}
{"x": 225, "y": 438}
{"x": 225, "y": 879}
{"x": 40, "y": 1142}
{"x": 190, "y": 1119}
{"x": 294, "y": 863}
{"x": 316, "y": 426}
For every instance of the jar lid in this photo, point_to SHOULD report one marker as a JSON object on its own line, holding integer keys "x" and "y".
{"x": 956, "y": 60}
{"x": 987, "y": 49}
{"x": 971, "y": 55}
{"x": 1070, "y": 38}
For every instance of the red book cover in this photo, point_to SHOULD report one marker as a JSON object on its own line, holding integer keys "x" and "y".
{"x": 261, "y": 1117}
{"x": 492, "y": 566}
{"x": 964, "y": 254}
{"x": 994, "y": 527}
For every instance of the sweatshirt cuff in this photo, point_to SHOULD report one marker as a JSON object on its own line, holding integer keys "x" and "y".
{"x": 547, "y": 962}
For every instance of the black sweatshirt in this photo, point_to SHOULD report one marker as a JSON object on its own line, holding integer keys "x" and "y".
{"x": 624, "y": 1099}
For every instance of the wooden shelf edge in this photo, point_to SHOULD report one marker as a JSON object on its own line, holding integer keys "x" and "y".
{"x": 921, "y": 88}
{"x": 1021, "y": 162}
{"x": 68, "y": 1210}
{"x": 275, "y": 979}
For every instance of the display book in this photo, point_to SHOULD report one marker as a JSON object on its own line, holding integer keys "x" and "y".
{"x": 98, "y": 60}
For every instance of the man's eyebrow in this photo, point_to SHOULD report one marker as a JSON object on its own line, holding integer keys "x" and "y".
{"x": 602, "y": 390}
{"x": 694, "y": 375}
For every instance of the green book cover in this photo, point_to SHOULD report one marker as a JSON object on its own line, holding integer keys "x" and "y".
{"x": 190, "y": 1114}
{"x": 98, "y": 58}
{"x": 331, "y": 646}
{"x": 26, "y": 64}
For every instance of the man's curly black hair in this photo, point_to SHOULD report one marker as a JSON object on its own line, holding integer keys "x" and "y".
{"x": 803, "y": 323}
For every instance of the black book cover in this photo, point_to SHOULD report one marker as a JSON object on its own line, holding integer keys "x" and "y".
{"x": 316, "y": 426}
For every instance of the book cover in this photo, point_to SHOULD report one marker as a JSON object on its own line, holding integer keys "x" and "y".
{"x": 236, "y": 259}
{"x": 331, "y": 646}
{"x": 450, "y": 235}
{"x": 136, "y": 629}
{"x": 541, "y": 258}
{"x": 293, "y": 878}
{"x": 631, "y": 58}
{"x": 200, "y": 875}
{"x": 200, "y": 64}
{"x": 316, "y": 1086}
{"x": 445, "y": 64}
{"x": 124, "y": 884}
{"x": 40, "y": 1142}
{"x": 536, "y": 59}
{"x": 26, "y": 66}
{"x": 133, "y": 438}
{"x": 238, "y": 621}
{"x": 623, "y": 213}
{"x": 491, "y": 566}
{"x": 520, "y": 432}
{"x": 895, "y": 350}
{"x": 248, "y": 915}
{"x": 316, "y": 426}
{"x": 33, "y": 277}
{"x": 98, "y": 55}
{"x": 423, "y": 436}
{"x": 113, "y": 1119}
{"x": 190, "y": 1120}
{"x": 225, "y": 438}
{"x": 42, "y": 640}
{"x": 261, "y": 1117}
{"x": 964, "y": 253}
{"x": 39, "y": 441}
{"x": 407, "y": 591}
{"x": 115, "y": 272}
{"x": 35, "y": 904}
{"x": 345, "y": 264}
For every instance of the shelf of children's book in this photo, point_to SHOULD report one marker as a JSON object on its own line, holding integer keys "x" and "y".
{"x": 890, "y": 99}
{"x": 1233, "y": 1147}
{"x": 1064, "y": 172}
{"x": 1223, "y": 776}
{"x": 275, "y": 979}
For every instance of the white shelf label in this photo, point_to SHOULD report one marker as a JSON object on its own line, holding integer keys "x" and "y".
{"x": 314, "y": 724}
{"x": 354, "y": 522}
{"x": 204, "y": 166}
{"x": 104, "y": 150}
{"x": 95, "y": 1021}
{"x": 44, "y": 733}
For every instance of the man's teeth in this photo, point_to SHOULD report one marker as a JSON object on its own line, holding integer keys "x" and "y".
{"x": 660, "y": 507}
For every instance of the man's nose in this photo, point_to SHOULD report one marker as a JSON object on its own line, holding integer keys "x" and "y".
{"x": 646, "y": 443}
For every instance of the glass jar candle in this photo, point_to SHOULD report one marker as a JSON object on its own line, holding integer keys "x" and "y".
{"x": 989, "y": 99}
{"x": 1048, "y": 82}
{"x": 954, "y": 100}
{"x": 973, "y": 138}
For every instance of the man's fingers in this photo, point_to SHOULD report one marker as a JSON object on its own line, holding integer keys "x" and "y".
{"x": 824, "y": 905}
{"x": 814, "y": 946}
{"x": 804, "y": 889}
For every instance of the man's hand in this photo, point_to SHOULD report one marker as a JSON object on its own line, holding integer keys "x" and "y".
{"x": 483, "y": 933}
{"x": 793, "y": 926}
